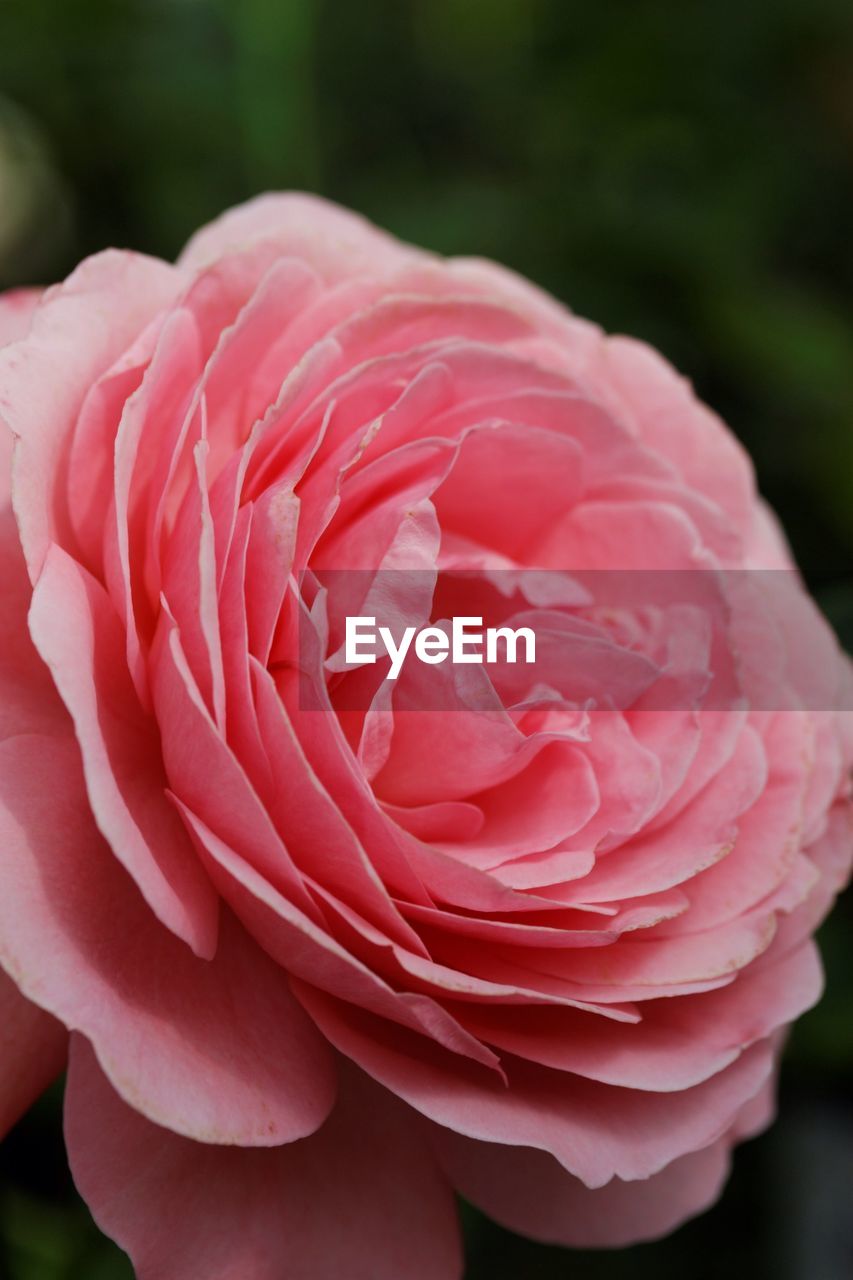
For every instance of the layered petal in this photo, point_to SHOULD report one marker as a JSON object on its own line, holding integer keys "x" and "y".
{"x": 313, "y": 928}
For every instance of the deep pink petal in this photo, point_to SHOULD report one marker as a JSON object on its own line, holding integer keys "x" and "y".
{"x": 29, "y": 702}
{"x": 77, "y": 633}
{"x": 304, "y": 949}
{"x": 595, "y": 1131}
{"x": 362, "y": 1198}
{"x": 529, "y": 1192}
{"x": 33, "y": 1046}
{"x": 218, "y": 1050}
{"x": 204, "y": 773}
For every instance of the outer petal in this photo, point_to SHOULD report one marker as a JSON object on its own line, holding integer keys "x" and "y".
{"x": 32, "y": 1052}
{"x": 338, "y": 244}
{"x": 668, "y": 417}
{"x": 528, "y": 1192}
{"x": 29, "y": 702}
{"x": 33, "y": 1045}
{"x": 76, "y": 631}
{"x": 16, "y": 312}
{"x": 361, "y": 1199}
{"x": 78, "y": 331}
{"x": 216, "y": 1050}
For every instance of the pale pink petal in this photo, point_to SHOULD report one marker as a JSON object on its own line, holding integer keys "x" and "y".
{"x": 677, "y": 1044}
{"x": 702, "y": 834}
{"x": 767, "y": 547}
{"x": 16, "y": 313}
{"x": 768, "y": 836}
{"x": 551, "y": 799}
{"x": 606, "y": 536}
{"x": 509, "y": 485}
{"x": 666, "y": 414}
{"x": 635, "y": 962}
{"x": 78, "y": 331}
{"x": 572, "y": 341}
{"x": 830, "y": 854}
{"x": 337, "y": 243}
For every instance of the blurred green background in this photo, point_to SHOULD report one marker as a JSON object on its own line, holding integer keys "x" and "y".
{"x": 680, "y": 172}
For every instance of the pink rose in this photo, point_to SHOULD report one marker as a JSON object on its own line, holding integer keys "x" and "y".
{"x": 328, "y": 946}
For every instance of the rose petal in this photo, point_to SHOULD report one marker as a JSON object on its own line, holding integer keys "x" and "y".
{"x": 77, "y": 633}
{"x": 33, "y": 1046}
{"x": 595, "y": 1131}
{"x": 78, "y": 331}
{"x": 361, "y": 1198}
{"x": 16, "y": 313}
{"x": 529, "y": 1192}
{"x": 217, "y": 1050}
{"x": 337, "y": 243}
